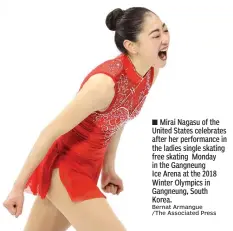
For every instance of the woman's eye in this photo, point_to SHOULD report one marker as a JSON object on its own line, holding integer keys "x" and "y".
{"x": 159, "y": 35}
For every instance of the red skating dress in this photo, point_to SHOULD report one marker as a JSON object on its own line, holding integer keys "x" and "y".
{"x": 79, "y": 153}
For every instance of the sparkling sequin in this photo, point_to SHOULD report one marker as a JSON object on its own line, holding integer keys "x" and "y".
{"x": 112, "y": 67}
{"x": 137, "y": 109}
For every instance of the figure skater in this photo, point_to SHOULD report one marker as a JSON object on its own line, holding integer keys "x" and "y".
{"x": 64, "y": 165}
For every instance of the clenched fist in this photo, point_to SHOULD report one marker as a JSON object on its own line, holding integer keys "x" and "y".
{"x": 14, "y": 202}
{"x": 111, "y": 182}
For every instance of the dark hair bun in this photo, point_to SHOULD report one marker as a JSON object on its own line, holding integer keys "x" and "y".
{"x": 113, "y": 17}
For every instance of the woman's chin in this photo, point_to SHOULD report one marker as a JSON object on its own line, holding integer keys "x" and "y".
{"x": 160, "y": 63}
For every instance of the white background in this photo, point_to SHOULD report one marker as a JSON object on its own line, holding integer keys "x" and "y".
{"x": 47, "y": 48}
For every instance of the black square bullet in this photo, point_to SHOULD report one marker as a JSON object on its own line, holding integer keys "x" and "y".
{"x": 154, "y": 122}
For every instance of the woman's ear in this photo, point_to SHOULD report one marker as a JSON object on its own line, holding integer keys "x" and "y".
{"x": 130, "y": 47}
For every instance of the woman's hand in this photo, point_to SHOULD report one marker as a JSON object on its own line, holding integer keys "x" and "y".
{"x": 111, "y": 182}
{"x": 14, "y": 201}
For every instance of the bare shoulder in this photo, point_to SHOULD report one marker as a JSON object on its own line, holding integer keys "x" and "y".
{"x": 99, "y": 82}
{"x": 100, "y": 88}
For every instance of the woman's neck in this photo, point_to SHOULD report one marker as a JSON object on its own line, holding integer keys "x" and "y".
{"x": 139, "y": 66}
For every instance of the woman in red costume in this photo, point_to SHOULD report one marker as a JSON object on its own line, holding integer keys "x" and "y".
{"x": 65, "y": 163}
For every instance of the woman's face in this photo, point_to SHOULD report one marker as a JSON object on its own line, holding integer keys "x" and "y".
{"x": 153, "y": 38}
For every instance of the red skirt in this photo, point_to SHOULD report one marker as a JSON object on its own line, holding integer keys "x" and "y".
{"x": 79, "y": 175}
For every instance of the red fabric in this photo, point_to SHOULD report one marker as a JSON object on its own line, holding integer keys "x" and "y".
{"x": 79, "y": 153}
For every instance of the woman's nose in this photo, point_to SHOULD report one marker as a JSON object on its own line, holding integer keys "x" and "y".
{"x": 165, "y": 36}
{"x": 165, "y": 39}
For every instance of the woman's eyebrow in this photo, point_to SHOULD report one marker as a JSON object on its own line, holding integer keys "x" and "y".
{"x": 157, "y": 30}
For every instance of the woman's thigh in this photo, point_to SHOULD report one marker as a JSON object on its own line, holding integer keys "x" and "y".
{"x": 45, "y": 216}
{"x": 89, "y": 215}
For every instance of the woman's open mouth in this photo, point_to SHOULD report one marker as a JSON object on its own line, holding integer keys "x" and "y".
{"x": 163, "y": 55}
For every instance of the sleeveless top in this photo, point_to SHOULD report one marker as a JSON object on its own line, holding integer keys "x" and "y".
{"x": 79, "y": 153}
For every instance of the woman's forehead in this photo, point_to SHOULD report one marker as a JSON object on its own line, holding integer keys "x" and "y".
{"x": 152, "y": 22}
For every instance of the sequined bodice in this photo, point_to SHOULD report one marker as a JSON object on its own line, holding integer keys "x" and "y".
{"x": 93, "y": 134}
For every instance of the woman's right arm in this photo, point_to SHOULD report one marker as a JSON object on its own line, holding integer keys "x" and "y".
{"x": 96, "y": 94}
{"x": 110, "y": 154}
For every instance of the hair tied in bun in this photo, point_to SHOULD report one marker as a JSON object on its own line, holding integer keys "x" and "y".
{"x": 113, "y": 17}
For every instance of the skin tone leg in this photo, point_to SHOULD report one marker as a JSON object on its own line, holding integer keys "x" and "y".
{"x": 89, "y": 215}
{"x": 45, "y": 216}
